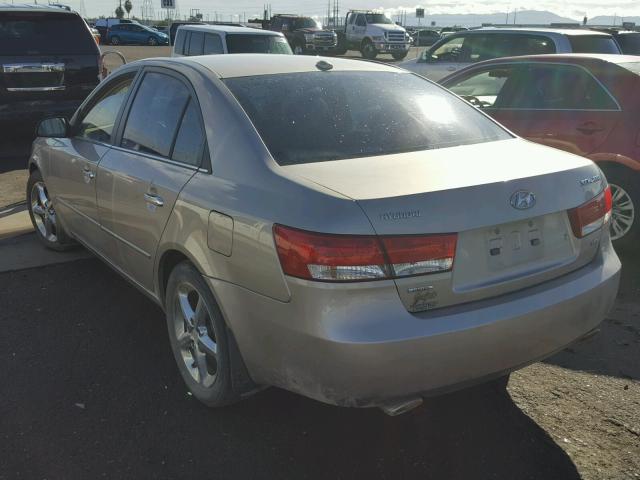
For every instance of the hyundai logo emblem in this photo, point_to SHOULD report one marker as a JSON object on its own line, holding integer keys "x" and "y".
{"x": 522, "y": 200}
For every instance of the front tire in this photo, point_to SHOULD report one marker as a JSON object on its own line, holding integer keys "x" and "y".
{"x": 298, "y": 49}
{"x": 43, "y": 216}
{"x": 400, "y": 55}
{"x": 625, "y": 192}
{"x": 199, "y": 337}
{"x": 368, "y": 50}
{"x": 152, "y": 42}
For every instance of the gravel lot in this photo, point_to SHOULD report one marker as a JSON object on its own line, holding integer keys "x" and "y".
{"x": 89, "y": 389}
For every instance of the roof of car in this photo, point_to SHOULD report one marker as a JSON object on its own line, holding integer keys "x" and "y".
{"x": 10, "y": 7}
{"x": 559, "y": 31}
{"x": 228, "y": 29}
{"x": 565, "y": 57}
{"x": 252, "y": 64}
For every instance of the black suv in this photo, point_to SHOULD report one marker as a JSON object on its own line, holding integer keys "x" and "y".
{"x": 49, "y": 63}
{"x": 304, "y": 34}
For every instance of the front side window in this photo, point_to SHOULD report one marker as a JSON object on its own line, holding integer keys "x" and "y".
{"x": 155, "y": 114}
{"x": 243, "y": 43}
{"x": 360, "y": 21}
{"x": 483, "y": 89}
{"x": 449, "y": 51}
{"x": 322, "y": 116}
{"x": 212, "y": 44}
{"x": 98, "y": 123}
{"x": 558, "y": 87}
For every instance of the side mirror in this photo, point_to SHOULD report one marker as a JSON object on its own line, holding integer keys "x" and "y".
{"x": 55, "y": 127}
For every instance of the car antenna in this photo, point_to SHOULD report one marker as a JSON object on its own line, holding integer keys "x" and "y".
{"x": 324, "y": 66}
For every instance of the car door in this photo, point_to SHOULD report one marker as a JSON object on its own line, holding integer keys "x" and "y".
{"x": 212, "y": 44}
{"x": 139, "y": 34}
{"x": 160, "y": 148}
{"x": 74, "y": 161}
{"x": 559, "y": 105}
{"x": 359, "y": 28}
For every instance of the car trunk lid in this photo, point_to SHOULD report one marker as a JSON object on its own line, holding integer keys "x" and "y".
{"x": 473, "y": 191}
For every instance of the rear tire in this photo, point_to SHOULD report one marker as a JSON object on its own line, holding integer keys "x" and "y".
{"x": 114, "y": 41}
{"x": 199, "y": 337}
{"x": 367, "y": 50}
{"x": 46, "y": 223}
{"x": 625, "y": 224}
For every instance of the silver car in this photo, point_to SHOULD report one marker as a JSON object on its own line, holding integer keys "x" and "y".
{"x": 342, "y": 229}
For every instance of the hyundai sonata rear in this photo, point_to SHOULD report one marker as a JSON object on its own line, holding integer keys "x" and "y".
{"x": 342, "y": 229}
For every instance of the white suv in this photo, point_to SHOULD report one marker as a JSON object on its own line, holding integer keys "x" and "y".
{"x": 220, "y": 39}
{"x": 461, "y": 49}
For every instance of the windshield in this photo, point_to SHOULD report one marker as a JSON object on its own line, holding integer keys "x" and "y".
{"x": 42, "y": 33}
{"x": 305, "y": 23}
{"x": 243, "y": 43}
{"x": 593, "y": 44}
{"x": 321, "y": 116}
{"x": 378, "y": 18}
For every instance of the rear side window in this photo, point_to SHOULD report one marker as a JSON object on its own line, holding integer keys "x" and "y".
{"x": 629, "y": 43}
{"x": 155, "y": 114}
{"x": 558, "y": 87}
{"x": 593, "y": 44}
{"x": 98, "y": 122}
{"x": 190, "y": 139}
{"x": 320, "y": 116}
{"x": 179, "y": 45}
{"x": 517, "y": 45}
{"x": 44, "y": 33}
{"x": 212, "y": 44}
{"x": 196, "y": 43}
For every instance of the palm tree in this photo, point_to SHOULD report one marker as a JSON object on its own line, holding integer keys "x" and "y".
{"x": 128, "y": 6}
{"x": 119, "y": 12}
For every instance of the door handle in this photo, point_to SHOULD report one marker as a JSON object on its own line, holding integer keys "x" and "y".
{"x": 154, "y": 199}
{"x": 88, "y": 174}
{"x": 451, "y": 69}
{"x": 589, "y": 129}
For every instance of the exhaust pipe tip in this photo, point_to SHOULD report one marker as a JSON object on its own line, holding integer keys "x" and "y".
{"x": 395, "y": 409}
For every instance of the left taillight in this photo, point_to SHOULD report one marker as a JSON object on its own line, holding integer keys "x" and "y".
{"x": 592, "y": 215}
{"x": 352, "y": 258}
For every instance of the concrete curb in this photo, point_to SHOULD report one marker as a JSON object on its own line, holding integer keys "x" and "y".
{"x": 14, "y": 220}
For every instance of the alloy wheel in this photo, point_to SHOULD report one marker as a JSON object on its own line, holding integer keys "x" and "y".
{"x": 623, "y": 212}
{"x": 43, "y": 212}
{"x": 195, "y": 335}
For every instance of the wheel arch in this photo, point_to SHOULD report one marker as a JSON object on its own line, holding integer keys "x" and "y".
{"x": 170, "y": 256}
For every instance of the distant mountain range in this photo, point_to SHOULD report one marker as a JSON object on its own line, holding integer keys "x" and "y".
{"x": 521, "y": 17}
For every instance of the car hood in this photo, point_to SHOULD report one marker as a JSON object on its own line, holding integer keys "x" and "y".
{"x": 387, "y": 27}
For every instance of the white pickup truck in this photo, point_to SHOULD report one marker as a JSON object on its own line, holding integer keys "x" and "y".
{"x": 373, "y": 33}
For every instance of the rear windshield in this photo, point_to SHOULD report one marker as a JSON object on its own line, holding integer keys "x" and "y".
{"x": 321, "y": 116}
{"x": 593, "y": 44}
{"x": 44, "y": 33}
{"x": 243, "y": 43}
{"x": 629, "y": 43}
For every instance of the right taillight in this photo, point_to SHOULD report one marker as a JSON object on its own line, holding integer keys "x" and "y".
{"x": 591, "y": 216}
{"x": 352, "y": 258}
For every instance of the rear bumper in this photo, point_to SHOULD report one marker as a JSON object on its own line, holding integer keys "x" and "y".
{"x": 361, "y": 347}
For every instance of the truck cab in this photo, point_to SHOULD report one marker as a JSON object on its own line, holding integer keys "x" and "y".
{"x": 304, "y": 34}
{"x": 373, "y": 33}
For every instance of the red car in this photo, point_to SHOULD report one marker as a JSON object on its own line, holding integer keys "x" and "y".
{"x": 585, "y": 104}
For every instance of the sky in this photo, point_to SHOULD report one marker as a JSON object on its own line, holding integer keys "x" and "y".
{"x": 224, "y": 9}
